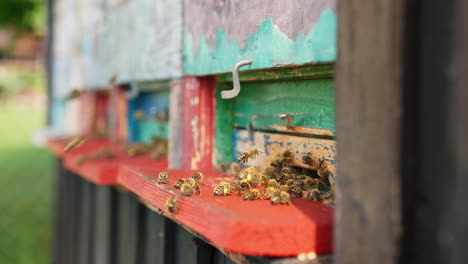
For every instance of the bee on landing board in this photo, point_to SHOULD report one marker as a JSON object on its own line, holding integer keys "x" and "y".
{"x": 163, "y": 178}
{"x": 272, "y": 183}
{"x": 223, "y": 188}
{"x": 315, "y": 195}
{"x": 281, "y": 198}
{"x": 74, "y": 143}
{"x": 295, "y": 191}
{"x": 198, "y": 176}
{"x": 179, "y": 183}
{"x": 249, "y": 154}
{"x": 270, "y": 192}
{"x": 171, "y": 204}
{"x": 194, "y": 185}
{"x": 252, "y": 194}
{"x": 186, "y": 189}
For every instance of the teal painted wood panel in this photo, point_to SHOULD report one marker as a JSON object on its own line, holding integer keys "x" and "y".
{"x": 270, "y": 32}
{"x": 310, "y": 102}
{"x": 152, "y": 128}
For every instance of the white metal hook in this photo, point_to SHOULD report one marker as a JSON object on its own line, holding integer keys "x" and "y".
{"x": 235, "y": 80}
{"x": 289, "y": 119}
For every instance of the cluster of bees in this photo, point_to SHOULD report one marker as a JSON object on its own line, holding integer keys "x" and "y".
{"x": 280, "y": 180}
{"x": 278, "y": 183}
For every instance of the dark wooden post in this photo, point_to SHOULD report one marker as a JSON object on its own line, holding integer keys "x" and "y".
{"x": 368, "y": 131}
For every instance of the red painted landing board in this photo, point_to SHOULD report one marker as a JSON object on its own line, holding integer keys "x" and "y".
{"x": 244, "y": 227}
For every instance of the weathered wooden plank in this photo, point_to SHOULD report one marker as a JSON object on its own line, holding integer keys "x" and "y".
{"x": 271, "y": 32}
{"x": 85, "y": 216}
{"x": 176, "y": 125}
{"x": 311, "y": 103}
{"x": 271, "y": 145}
{"x": 368, "y": 131}
{"x": 436, "y": 135}
{"x": 198, "y": 121}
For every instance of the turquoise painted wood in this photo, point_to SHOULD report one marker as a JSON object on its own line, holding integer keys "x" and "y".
{"x": 310, "y": 102}
{"x": 270, "y": 32}
{"x": 144, "y": 129}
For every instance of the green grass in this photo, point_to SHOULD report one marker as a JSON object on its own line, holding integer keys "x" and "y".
{"x": 26, "y": 189}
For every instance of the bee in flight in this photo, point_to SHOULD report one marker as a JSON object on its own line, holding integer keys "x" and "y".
{"x": 74, "y": 143}
{"x": 171, "y": 204}
{"x": 249, "y": 154}
{"x": 163, "y": 178}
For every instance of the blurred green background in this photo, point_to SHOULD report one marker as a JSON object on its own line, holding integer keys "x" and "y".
{"x": 26, "y": 199}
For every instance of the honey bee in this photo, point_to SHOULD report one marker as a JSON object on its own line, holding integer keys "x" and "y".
{"x": 113, "y": 79}
{"x": 309, "y": 183}
{"x": 307, "y": 159}
{"x": 236, "y": 182}
{"x": 138, "y": 114}
{"x": 179, "y": 183}
{"x": 198, "y": 176}
{"x": 249, "y": 154}
{"x": 315, "y": 195}
{"x": 272, "y": 183}
{"x": 284, "y": 188}
{"x": 186, "y": 189}
{"x": 252, "y": 194}
{"x": 281, "y": 198}
{"x": 295, "y": 191}
{"x": 75, "y": 93}
{"x": 223, "y": 188}
{"x": 298, "y": 176}
{"x": 330, "y": 196}
{"x": 244, "y": 185}
{"x": 74, "y": 143}
{"x": 171, "y": 204}
{"x": 270, "y": 192}
{"x": 290, "y": 182}
{"x": 262, "y": 179}
{"x": 137, "y": 149}
{"x": 287, "y": 170}
{"x": 224, "y": 167}
{"x": 163, "y": 178}
{"x": 195, "y": 186}
{"x": 247, "y": 172}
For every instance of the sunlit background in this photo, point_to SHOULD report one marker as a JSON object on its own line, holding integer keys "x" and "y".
{"x": 25, "y": 169}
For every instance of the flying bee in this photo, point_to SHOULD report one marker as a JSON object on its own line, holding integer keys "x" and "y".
{"x": 179, "y": 183}
{"x": 74, "y": 94}
{"x": 138, "y": 114}
{"x": 272, "y": 183}
{"x": 249, "y": 154}
{"x": 284, "y": 188}
{"x": 163, "y": 178}
{"x": 171, "y": 204}
{"x": 113, "y": 79}
{"x": 315, "y": 195}
{"x": 251, "y": 195}
{"x": 295, "y": 191}
{"x": 270, "y": 192}
{"x": 74, "y": 143}
{"x": 224, "y": 167}
{"x": 186, "y": 189}
{"x": 307, "y": 159}
{"x": 198, "y": 176}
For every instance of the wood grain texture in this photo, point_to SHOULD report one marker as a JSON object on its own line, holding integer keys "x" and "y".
{"x": 235, "y": 225}
{"x": 271, "y": 145}
{"x": 270, "y": 32}
{"x": 176, "y": 125}
{"x": 198, "y": 121}
{"x": 437, "y": 158}
{"x": 368, "y": 131}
